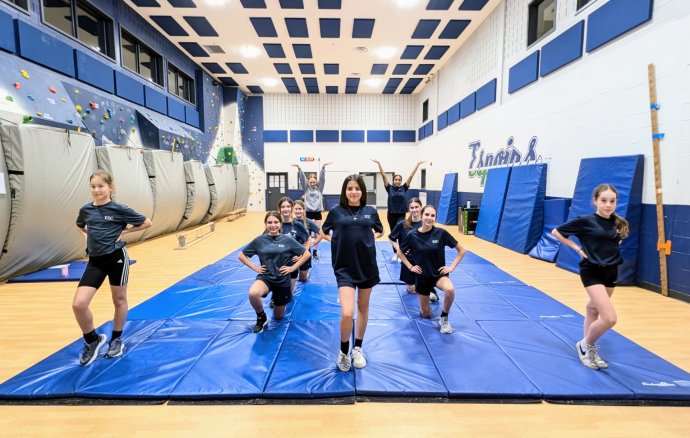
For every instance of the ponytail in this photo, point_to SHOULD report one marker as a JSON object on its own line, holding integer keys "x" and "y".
{"x": 621, "y": 226}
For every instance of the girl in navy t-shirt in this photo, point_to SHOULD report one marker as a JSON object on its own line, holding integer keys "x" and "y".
{"x": 600, "y": 235}
{"x": 427, "y": 259}
{"x": 314, "y": 237}
{"x": 352, "y": 227}
{"x": 402, "y": 229}
{"x": 294, "y": 229}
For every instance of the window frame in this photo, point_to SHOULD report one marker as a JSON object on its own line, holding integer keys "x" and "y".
{"x": 138, "y": 45}
{"x": 533, "y": 5}
{"x": 425, "y": 111}
{"x": 579, "y": 9}
{"x": 17, "y": 7}
{"x": 90, "y": 8}
{"x": 179, "y": 73}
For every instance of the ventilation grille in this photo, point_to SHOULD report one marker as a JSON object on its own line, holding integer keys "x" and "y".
{"x": 214, "y": 49}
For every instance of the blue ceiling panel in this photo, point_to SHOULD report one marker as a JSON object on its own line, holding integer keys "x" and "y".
{"x": 436, "y": 52}
{"x": 392, "y": 85}
{"x": 329, "y": 4}
{"x": 290, "y": 82}
{"x": 410, "y": 85}
{"x": 146, "y": 3}
{"x": 401, "y": 69}
{"x": 169, "y": 25}
{"x": 230, "y": 82}
{"x": 297, "y": 27}
{"x": 255, "y": 89}
{"x": 472, "y": 5}
{"x": 331, "y": 69}
{"x": 307, "y": 69}
{"x": 253, "y": 4}
{"x": 439, "y": 5}
{"x": 423, "y": 69}
{"x": 411, "y": 52}
{"x": 283, "y": 68}
{"x": 351, "y": 85}
{"x": 453, "y": 29}
{"x": 213, "y": 67}
{"x": 363, "y": 27}
{"x": 182, "y": 3}
{"x": 302, "y": 50}
{"x": 201, "y": 26}
{"x": 331, "y": 89}
{"x": 293, "y": 90}
{"x": 274, "y": 50}
{"x": 264, "y": 27}
{"x": 312, "y": 85}
{"x": 194, "y": 49}
{"x": 425, "y": 28}
{"x": 291, "y": 4}
{"x": 379, "y": 69}
{"x": 330, "y": 27}
{"x": 237, "y": 68}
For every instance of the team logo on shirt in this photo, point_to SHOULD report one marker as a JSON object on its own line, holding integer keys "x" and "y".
{"x": 434, "y": 241}
{"x": 108, "y": 218}
{"x": 280, "y": 245}
{"x": 367, "y": 216}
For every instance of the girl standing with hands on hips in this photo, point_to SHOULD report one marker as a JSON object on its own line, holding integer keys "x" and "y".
{"x": 313, "y": 195}
{"x": 275, "y": 251}
{"x": 396, "y": 196}
{"x": 600, "y": 235}
{"x": 412, "y": 222}
{"x": 354, "y": 226}
{"x": 103, "y": 223}
{"x": 427, "y": 259}
{"x": 294, "y": 229}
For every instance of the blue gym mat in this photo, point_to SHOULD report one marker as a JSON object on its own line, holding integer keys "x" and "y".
{"x": 73, "y": 271}
{"x": 193, "y": 343}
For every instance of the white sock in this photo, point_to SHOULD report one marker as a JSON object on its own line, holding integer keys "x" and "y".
{"x": 583, "y": 343}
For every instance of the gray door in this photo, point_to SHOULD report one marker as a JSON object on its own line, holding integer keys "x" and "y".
{"x": 277, "y": 187}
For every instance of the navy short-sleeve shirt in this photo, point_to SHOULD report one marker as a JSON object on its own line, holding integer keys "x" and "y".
{"x": 396, "y": 198}
{"x": 274, "y": 252}
{"x": 598, "y": 237}
{"x": 428, "y": 249}
{"x": 104, "y": 224}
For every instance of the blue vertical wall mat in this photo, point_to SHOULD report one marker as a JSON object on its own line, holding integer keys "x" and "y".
{"x": 555, "y": 213}
{"x": 625, "y": 174}
{"x": 523, "y": 211}
{"x": 447, "y": 211}
{"x": 491, "y": 207}
{"x": 7, "y": 33}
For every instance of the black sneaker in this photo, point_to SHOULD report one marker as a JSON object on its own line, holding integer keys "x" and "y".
{"x": 261, "y": 322}
{"x": 271, "y": 304}
{"x": 115, "y": 349}
{"x": 90, "y": 352}
{"x": 315, "y": 255}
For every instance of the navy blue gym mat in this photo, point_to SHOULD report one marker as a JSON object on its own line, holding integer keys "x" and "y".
{"x": 193, "y": 343}
{"x": 71, "y": 271}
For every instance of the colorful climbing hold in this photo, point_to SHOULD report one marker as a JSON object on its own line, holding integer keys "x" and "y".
{"x": 62, "y": 99}
{"x": 52, "y": 90}
{"x": 93, "y": 105}
{"x": 78, "y": 108}
{"x": 17, "y": 85}
{"x": 25, "y": 74}
{"x": 27, "y": 119}
{"x": 30, "y": 97}
{"x": 106, "y": 116}
{"x": 9, "y": 98}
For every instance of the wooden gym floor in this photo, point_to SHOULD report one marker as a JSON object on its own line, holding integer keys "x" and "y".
{"x": 36, "y": 320}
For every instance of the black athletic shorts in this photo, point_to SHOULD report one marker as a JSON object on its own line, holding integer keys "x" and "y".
{"x": 306, "y": 265}
{"x": 281, "y": 294}
{"x": 407, "y": 276}
{"x": 115, "y": 266}
{"x": 425, "y": 285}
{"x": 594, "y": 274}
{"x": 314, "y": 215}
{"x": 394, "y": 218}
{"x": 364, "y": 285}
{"x": 294, "y": 273}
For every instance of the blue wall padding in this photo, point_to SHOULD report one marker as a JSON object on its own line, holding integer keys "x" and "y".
{"x": 491, "y": 208}
{"x": 279, "y": 136}
{"x": 486, "y": 94}
{"x": 429, "y": 129}
{"x": 533, "y": 303}
{"x": 44, "y": 49}
{"x": 7, "y": 41}
{"x": 175, "y": 109}
{"x": 548, "y": 362}
{"x": 453, "y": 113}
{"x": 155, "y": 100}
{"x": 94, "y": 72}
{"x": 482, "y": 303}
{"x": 128, "y": 88}
{"x": 328, "y": 135}
{"x": 615, "y": 18}
{"x": 524, "y": 72}
{"x": 468, "y": 105}
{"x": 352, "y": 136}
{"x": 191, "y": 116}
{"x": 555, "y": 213}
{"x": 245, "y": 376}
{"x": 562, "y": 50}
{"x": 404, "y": 136}
{"x": 625, "y": 174}
{"x": 306, "y": 136}
{"x": 467, "y": 361}
{"x": 74, "y": 272}
{"x": 523, "y": 212}
{"x": 447, "y": 209}
{"x": 632, "y": 366}
{"x": 379, "y": 136}
{"x": 389, "y": 344}
{"x": 305, "y": 367}
{"x": 442, "y": 120}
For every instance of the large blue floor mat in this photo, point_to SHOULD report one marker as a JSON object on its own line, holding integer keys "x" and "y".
{"x": 71, "y": 271}
{"x": 193, "y": 343}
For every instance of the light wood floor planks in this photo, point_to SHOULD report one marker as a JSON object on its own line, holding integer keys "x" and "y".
{"x": 36, "y": 320}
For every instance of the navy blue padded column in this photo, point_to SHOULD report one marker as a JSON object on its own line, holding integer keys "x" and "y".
{"x": 625, "y": 174}
{"x": 447, "y": 211}
{"x": 555, "y": 213}
{"x": 523, "y": 212}
{"x": 491, "y": 208}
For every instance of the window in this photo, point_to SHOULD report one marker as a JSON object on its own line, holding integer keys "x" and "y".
{"x": 180, "y": 84}
{"x": 90, "y": 26}
{"x": 582, "y": 3}
{"x": 425, "y": 111}
{"x": 140, "y": 59}
{"x": 422, "y": 185}
{"x": 542, "y": 19}
{"x": 23, "y": 4}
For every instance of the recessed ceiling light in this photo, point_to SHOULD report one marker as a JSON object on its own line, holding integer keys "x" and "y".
{"x": 373, "y": 82}
{"x": 386, "y": 52}
{"x": 406, "y": 3}
{"x": 269, "y": 82}
{"x": 361, "y": 49}
{"x": 250, "y": 51}
{"x": 216, "y": 2}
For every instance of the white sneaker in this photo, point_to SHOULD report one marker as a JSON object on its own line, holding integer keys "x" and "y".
{"x": 358, "y": 359}
{"x": 344, "y": 361}
{"x": 588, "y": 357}
{"x": 445, "y": 325}
{"x": 433, "y": 296}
